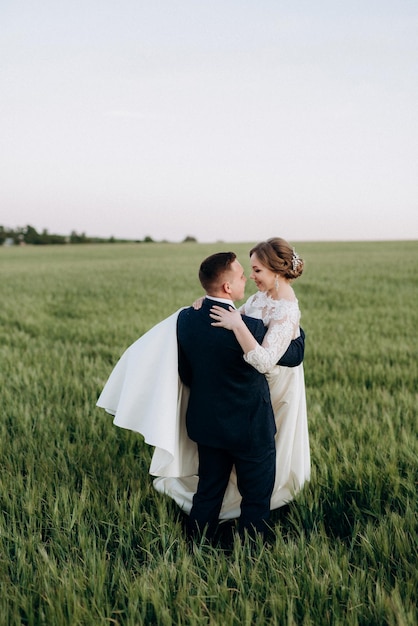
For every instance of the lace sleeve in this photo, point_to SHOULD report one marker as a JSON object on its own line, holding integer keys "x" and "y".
{"x": 283, "y": 326}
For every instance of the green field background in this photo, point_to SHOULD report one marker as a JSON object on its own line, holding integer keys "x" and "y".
{"x": 84, "y": 537}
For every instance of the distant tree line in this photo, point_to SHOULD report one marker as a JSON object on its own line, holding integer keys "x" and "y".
{"x": 29, "y": 235}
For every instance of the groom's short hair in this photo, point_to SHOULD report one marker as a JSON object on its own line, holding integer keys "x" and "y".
{"x": 213, "y": 267}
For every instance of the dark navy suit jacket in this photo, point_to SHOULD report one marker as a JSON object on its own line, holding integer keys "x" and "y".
{"x": 229, "y": 405}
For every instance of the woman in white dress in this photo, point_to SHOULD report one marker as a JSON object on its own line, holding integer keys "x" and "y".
{"x": 275, "y": 264}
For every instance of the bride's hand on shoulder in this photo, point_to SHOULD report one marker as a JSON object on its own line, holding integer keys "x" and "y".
{"x": 229, "y": 319}
{"x": 197, "y": 304}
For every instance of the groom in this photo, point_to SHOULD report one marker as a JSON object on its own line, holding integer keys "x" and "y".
{"x": 229, "y": 413}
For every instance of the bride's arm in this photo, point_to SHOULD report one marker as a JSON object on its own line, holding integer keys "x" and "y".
{"x": 276, "y": 341}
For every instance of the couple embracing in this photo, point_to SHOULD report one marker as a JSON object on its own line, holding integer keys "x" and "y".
{"x": 238, "y": 445}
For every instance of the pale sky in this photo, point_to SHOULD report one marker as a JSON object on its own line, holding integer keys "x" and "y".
{"x": 224, "y": 120}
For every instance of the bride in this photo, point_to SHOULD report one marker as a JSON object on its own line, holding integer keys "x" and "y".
{"x": 133, "y": 392}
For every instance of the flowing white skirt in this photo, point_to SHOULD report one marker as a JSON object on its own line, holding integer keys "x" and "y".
{"x": 145, "y": 394}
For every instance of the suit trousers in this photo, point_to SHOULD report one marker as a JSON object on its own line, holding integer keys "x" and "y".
{"x": 255, "y": 472}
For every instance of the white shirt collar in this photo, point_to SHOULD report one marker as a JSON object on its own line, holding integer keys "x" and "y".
{"x": 224, "y": 300}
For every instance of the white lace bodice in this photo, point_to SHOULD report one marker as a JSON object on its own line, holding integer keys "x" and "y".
{"x": 282, "y": 318}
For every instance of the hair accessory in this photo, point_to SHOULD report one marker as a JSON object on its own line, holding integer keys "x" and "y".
{"x": 295, "y": 260}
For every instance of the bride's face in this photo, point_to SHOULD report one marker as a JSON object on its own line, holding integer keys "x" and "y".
{"x": 261, "y": 275}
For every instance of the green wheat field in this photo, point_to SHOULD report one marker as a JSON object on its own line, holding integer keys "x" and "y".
{"x": 84, "y": 537}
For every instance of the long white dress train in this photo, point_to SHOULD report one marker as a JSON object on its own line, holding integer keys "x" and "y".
{"x": 145, "y": 394}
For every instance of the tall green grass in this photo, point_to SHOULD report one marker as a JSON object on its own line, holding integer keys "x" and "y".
{"x": 84, "y": 538}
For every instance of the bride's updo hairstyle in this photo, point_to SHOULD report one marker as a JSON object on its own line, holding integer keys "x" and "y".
{"x": 279, "y": 257}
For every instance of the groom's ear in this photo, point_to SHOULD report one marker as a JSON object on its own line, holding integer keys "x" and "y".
{"x": 226, "y": 287}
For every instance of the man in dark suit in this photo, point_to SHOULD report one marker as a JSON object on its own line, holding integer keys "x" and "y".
{"x": 229, "y": 412}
